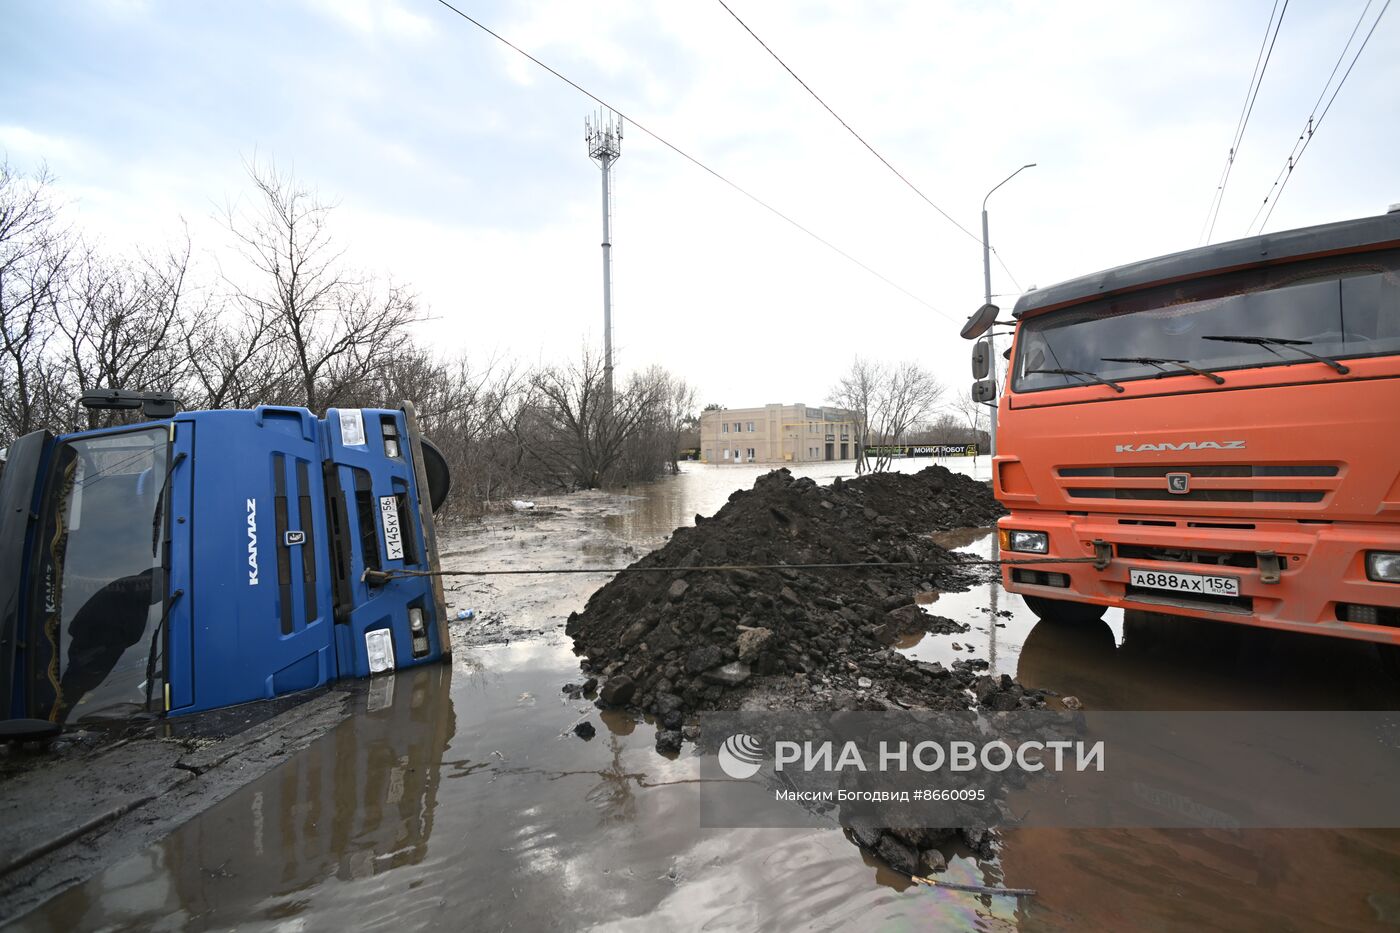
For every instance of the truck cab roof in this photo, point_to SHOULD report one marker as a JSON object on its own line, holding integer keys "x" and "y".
{"x": 1361, "y": 234}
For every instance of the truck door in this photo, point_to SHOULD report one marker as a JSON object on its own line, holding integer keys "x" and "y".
{"x": 261, "y": 607}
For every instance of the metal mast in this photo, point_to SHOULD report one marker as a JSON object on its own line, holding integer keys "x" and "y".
{"x": 987, "y": 289}
{"x": 603, "y": 133}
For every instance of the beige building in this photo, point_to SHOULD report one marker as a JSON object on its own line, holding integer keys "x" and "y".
{"x": 777, "y": 434}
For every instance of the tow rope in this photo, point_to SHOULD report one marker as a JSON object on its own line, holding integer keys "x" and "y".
{"x": 380, "y": 577}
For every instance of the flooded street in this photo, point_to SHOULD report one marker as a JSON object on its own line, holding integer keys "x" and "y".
{"x": 457, "y": 796}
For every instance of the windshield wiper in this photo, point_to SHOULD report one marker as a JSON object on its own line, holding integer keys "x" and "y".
{"x": 160, "y": 503}
{"x": 1182, "y": 366}
{"x": 1269, "y": 343}
{"x": 1094, "y": 377}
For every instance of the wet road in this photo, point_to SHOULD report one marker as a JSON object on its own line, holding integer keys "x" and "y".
{"x": 457, "y": 796}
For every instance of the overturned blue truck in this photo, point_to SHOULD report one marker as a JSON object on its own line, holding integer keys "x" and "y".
{"x": 200, "y": 559}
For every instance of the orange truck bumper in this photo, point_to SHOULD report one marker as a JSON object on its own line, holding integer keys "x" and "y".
{"x": 1321, "y": 585}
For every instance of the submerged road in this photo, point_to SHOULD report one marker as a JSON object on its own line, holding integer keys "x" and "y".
{"x": 458, "y": 797}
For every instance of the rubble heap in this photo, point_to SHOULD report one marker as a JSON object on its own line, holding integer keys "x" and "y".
{"x": 671, "y": 643}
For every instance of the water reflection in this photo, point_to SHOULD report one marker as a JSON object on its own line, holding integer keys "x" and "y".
{"x": 1167, "y": 662}
{"x": 356, "y": 804}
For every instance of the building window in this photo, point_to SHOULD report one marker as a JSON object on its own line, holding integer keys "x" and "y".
{"x": 726, "y": 453}
{"x": 724, "y": 428}
{"x": 750, "y": 427}
{"x": 709, "y": 453}
{"x": 751, "y": 456}
{"x": 738, "y": 426}
{"x": 736, "y": 456}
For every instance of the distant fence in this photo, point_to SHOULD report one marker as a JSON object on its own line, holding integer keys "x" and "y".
{"x": 923, "y": 450}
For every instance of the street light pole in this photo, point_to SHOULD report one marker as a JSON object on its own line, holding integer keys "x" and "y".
{"x": 987, "y": 290}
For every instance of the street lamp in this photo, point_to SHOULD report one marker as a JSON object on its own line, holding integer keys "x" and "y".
{"x": 987, "y": 290}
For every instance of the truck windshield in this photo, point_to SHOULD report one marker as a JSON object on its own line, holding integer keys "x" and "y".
{"x": 1342, "y": 307}
{"x": 101, "y": 583}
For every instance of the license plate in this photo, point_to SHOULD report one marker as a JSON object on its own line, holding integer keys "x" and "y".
{"x": 1194, "y": 583}
{"x": 393, "y": 540}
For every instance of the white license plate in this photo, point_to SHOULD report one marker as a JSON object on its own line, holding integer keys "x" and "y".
{"x": 393, "y": 540}
{"x": 1197, "y": 584}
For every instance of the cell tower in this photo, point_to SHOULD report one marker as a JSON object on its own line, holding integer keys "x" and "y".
{"x": 603, "y": 133}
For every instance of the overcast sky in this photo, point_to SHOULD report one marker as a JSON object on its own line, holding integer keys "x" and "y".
{"x": 460, "y": 167}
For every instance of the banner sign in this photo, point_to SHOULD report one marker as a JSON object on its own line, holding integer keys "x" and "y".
{"x": 922, "y": 450}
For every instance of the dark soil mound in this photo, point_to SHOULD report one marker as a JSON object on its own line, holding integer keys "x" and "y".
{"x": 686, "y": 640}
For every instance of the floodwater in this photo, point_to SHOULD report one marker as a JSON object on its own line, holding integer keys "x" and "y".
{"x": 458, "y": 797}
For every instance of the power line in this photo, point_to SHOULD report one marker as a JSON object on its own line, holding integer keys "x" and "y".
{"x": 898, "y": 174}
{"x": 692, "y": 159}
{"x": 1004, "y": 268}
{"x": 1256, "y": 81}
{"x": 867, "y": 145}
{"x": 1312, "y": 126}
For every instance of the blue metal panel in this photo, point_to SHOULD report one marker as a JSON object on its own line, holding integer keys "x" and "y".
{"x": 251, "y": 635}
{"x": 365, "y": 470}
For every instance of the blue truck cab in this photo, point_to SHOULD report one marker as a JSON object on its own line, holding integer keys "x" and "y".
{"x": 202, "y": 559}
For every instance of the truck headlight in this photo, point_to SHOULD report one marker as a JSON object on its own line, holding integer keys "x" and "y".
{"x": 1034, "y": 542}
{"x": 419, "y": 630}
{"x": 1383, "y": 566}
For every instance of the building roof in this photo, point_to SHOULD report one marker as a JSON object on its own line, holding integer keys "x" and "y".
{"x": 1341, "y": 237}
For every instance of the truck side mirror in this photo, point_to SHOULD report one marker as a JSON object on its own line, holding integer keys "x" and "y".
{"x": 439, "y": 473}
{"x": 153, "y": 405}
{"x": 981, "y": 359}
{"x": 984, "y": 390}
{"x": 980, "y": 322}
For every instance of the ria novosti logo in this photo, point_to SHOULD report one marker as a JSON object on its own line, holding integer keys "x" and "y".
{"x": 741, "y": 756}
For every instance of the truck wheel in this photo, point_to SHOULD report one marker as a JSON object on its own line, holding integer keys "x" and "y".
{"x": 1062, "y": 610}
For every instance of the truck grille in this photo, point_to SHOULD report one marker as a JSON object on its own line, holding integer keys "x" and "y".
{"x": 1233, "y": 482}
{"x": 1172, "y": 555}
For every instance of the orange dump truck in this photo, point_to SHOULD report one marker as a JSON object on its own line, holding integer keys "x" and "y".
{"x": 1220, "y": 429}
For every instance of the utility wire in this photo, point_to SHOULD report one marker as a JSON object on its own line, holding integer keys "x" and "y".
{"x": 379, "y": 577}
{"x": 1004, "y": 268}
{"x": 1256, "y": 81}
{"x": 1305, "y": 138}
{"x": 886, "y": 162}
{"x": 692, "y": 159}
{"x": 817, "y": 97}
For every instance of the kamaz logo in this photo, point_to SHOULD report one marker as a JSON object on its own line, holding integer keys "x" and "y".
{"x": 1184, "y": 445}
{"x": 252, "y": 542}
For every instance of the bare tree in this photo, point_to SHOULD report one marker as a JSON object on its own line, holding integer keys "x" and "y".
{"x": 34, "y": 268}
{"x": 337, "y": 327}
{"x": 888, "y": 401}
{"x": 675, "y": 411}
{"x": 578, "y": 441}
{"x": 120, "y": 323}
{"x": 234, "y": 358}
{"x": 972, "y": 412}
{"x": 857, "y": 392}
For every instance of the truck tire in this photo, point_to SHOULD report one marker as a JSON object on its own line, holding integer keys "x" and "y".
{"x": 1062, "y": 610}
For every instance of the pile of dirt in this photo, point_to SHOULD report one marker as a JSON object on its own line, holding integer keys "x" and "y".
{"x": 672, "y": 643}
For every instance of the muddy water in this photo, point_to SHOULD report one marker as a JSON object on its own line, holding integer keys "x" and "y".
{"x": 457, "y": 796}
